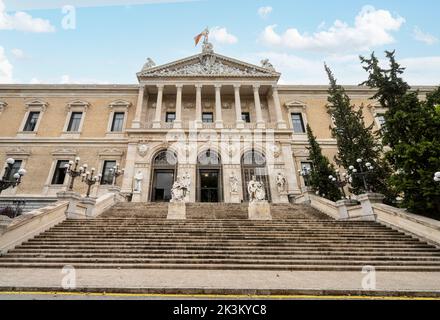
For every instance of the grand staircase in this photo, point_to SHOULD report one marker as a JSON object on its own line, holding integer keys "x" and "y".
{"x": 219, "y": 236}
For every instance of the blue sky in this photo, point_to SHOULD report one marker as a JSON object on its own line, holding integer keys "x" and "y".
{"x": 111, "y": 39}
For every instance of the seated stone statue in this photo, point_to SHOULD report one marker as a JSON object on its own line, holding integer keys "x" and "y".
{"x": 256, "y": 190}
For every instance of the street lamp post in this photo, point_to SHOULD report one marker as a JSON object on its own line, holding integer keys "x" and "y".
{"x": 7, "y": 182}
{"x": 90, "y": 179}
{"x": 73, "y": 171}
{"x": 115, "y": 173}
{"x": 362, "y": 173}
{"x": 340, "y": 182}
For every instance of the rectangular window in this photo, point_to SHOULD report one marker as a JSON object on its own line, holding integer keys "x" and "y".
{"x": 75, "y": 121}
{"x": 170, "y": 117}
{"x": 60, "y": 172}
{"x": 207, "y": 117}
{"x": 306, "y": 166}
{"x": 31, "y": 121}
{"x": 107, "y": 176}
{"x": 118, "y": 121}
{"x": 15, "y": 167}
{"x": 246, "y": 117}
{"x": 297, "y": 122}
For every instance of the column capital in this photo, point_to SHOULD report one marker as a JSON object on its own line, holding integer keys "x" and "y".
{"x": 237, "y": 86}
{"x": 198, "y": 86}
{"x": 256, "y": 87}
{"x": 160, "y": 86}
{"x": 275, "y": 87}
{"x": 179, "y": 86}
{"x": 218, "y": 86}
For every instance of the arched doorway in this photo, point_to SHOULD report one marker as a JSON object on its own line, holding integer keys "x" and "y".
{"x": 163, "y": 175}
{"x": 253, "y": 163}
{"x": 209, "y": 177}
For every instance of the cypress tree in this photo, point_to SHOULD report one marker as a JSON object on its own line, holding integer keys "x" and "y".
{"x": 412, "y": 131}
{"x": 355, "y": 140}
{"x": 321, "y": 170}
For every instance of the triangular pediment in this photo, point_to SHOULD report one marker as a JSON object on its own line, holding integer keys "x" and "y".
{"x": 208, "y": 65}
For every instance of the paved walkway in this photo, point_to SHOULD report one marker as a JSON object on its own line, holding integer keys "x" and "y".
{"x": 221, "y": 282}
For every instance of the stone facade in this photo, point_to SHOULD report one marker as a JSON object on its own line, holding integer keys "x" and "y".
{"x": 187, "y": 90}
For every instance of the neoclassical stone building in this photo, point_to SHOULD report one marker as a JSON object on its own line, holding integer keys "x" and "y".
{"x": 218, "y": 120}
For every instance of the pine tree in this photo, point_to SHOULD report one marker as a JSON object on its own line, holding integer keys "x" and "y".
{"x": 321, "y": 170}
{"x": 412, "y": 131}
{"x": 355, "y": 140}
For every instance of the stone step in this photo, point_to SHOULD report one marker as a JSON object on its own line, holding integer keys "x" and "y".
{"x": 246, "y": 249}
{"x": 226, "y": 267}
{"x": 223, "y": 260}
{"x": 229, "y": 255}
{"x": 219, "y": 236}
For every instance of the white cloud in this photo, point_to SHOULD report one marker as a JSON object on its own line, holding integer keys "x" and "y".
{"x": 424, "y": 37}
{"x": 5, "y": 68}
{"x": 347, "y": 68}
{"x": 264, "y": 11}
{"x": 18, "y": 53}
{"x": 21, "y": 21}
{"x": 422, "y": 70}
{"x": 35, "y": 81}
{"x": 221, "y": 35}
{"x": 371, "y": 28}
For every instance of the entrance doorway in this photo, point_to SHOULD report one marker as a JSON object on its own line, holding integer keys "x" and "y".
{"x": 163, "y": 175}
{"x": 209, "y": 177}
{"x": 209, "y": 185}
{"x": 163, "y": 182}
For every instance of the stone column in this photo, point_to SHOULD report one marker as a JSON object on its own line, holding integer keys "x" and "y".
{"x": 239, "y": 120}
{"x": 281, "y": 124}
{"x": 178, "y": 122}
{"x": 260, "y": 121}
{"x": 136, "y": 123}
{"x": 198, "y": 105}
{"x": 218, "y": 107}
{"x": 157, "y": 118}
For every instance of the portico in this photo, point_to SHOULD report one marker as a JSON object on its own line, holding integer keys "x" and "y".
{"x": 211, "y": 104}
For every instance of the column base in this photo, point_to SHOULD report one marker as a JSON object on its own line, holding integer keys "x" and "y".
{"x": 136, "y": 197}
{"x": 283, "y": 197}
{"x": 177, "y": 124}
{"x": 261, "y": 125}
{"x": 281, "y": 125}
{"x": 235, "y": 198}
{"x": 219, "y": 124}
{"x": 135, "y": 124}
{"x": 239, "y": 124}
{"x": 156, "y": 125}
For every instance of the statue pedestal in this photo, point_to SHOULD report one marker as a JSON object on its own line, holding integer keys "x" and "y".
{"x": 259, "y": 210}
{"x": 177, "y": 210}
{"x": 235, "y": 197}
{"x": 283, "y": 198}
{"x": 136, "y": 196}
